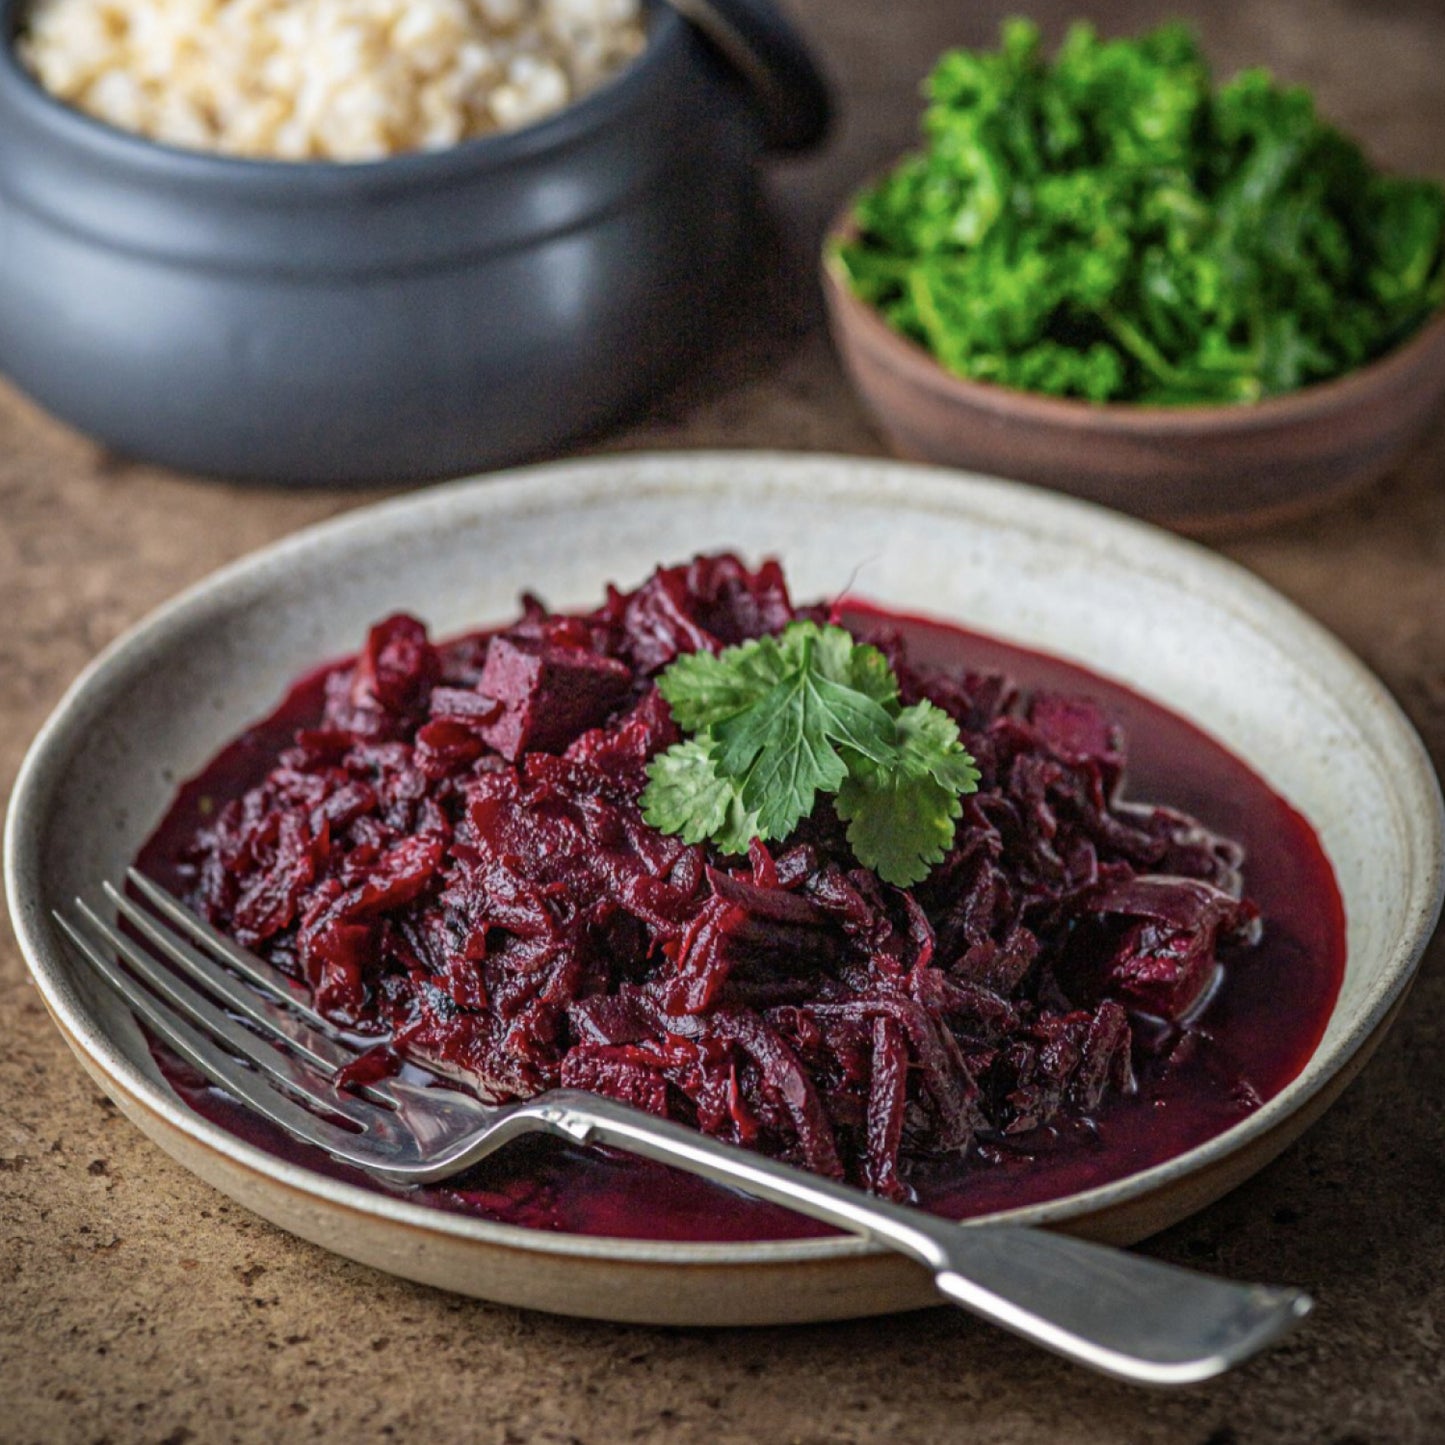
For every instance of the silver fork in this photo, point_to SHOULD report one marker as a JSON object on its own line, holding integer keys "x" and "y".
{"x": 249, "y": 1029}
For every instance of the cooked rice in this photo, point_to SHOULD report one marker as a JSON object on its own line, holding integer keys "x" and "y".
{"x": 341, "y": 80}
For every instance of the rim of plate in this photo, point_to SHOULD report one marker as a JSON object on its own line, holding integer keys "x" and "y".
{"x": 1029, "y": 511}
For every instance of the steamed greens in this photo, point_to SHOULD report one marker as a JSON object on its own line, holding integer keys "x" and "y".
{"x": 1111, "y": 226}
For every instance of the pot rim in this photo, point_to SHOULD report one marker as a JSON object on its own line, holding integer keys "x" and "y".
{"x": 151, "y": 160}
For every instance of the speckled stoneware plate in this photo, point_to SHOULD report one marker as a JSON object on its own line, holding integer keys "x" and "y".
{"x": 1175, "y": 622}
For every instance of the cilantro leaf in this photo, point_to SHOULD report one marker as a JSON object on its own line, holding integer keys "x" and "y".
{"x": 899, "y": 826}
{"x": 928, "y": 741}
{"x": 785, "y": 747}
{"x": 776, "y": 721}
{"x": 686, "y": 795}
{"x": 901, "y": 819}
{"x": 837, "y": 657}
{"x": 702, "y": 688}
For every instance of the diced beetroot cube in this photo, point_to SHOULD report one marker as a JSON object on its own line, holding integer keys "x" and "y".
{"x": 1162, "y": 971}
{"x": 549, "y": 694}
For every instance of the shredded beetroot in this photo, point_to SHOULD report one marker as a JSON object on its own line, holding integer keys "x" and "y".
{"x": 454, "y": 860}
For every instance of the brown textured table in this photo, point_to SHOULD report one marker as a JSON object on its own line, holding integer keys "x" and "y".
{"x": 137, "y": 1305}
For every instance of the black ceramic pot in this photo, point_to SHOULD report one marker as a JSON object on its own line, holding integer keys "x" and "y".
{"x": 417, "y": 317}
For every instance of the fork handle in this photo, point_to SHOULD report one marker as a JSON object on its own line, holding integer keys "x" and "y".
{"x": 1120, "y": 1313}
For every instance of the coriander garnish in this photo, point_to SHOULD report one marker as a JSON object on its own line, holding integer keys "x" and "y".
{"x": 778, "y": 720}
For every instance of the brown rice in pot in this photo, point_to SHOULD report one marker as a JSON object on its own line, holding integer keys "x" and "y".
{"x": 340, "y": 80}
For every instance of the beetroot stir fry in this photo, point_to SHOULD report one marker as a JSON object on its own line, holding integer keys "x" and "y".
{"x": 454, "y": 859}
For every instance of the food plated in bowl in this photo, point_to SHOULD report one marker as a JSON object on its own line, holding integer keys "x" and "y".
{"x": 1106, "y": 274}
{"x": 404, "y": 318}
{"x": 833, "y": 890}
{"x": 1043, "y": 572}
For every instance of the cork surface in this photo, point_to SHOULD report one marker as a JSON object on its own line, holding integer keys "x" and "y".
{"x": 138, "y": 1305}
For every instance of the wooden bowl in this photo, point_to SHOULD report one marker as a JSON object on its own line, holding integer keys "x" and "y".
{"x": 1197, "y": 469}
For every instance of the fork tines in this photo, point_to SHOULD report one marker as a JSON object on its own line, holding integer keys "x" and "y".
{"x": 230, "y": 1015}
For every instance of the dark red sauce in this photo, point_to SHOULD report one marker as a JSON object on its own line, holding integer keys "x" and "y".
{"x": 1259, "y": 1027}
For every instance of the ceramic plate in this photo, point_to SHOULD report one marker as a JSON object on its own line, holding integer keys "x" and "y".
{"x": 1174, "y": 622}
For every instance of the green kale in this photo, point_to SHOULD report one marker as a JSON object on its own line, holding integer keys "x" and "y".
{"x": 1112, "y": 226}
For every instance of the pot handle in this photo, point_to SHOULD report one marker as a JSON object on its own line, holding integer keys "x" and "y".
{"x": 768, "y": 53}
